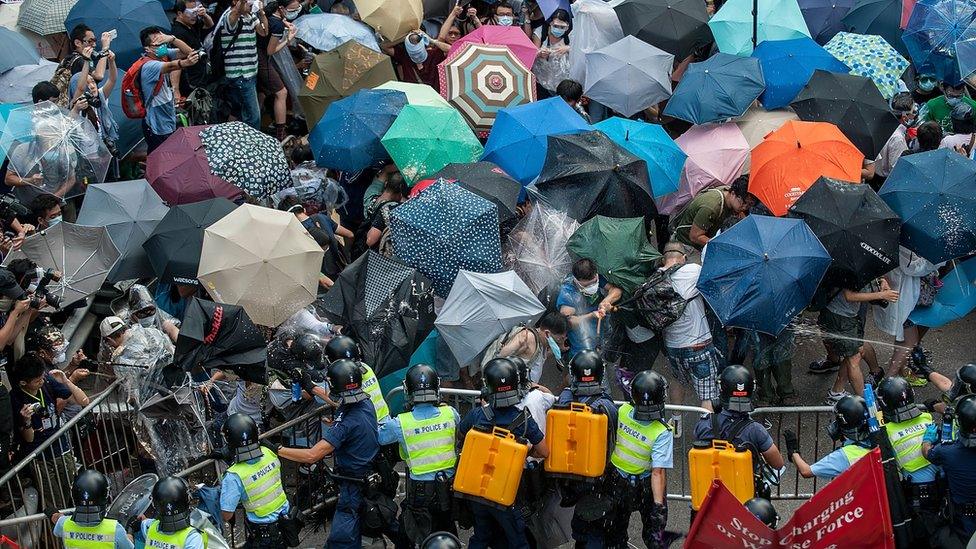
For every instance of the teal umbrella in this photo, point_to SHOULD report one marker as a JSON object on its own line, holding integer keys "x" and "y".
{"x": 869, "y": 55}
{"x": 650, "y": 143}
{"x": 736, "y": 31}
{"x": 422, "y": 140}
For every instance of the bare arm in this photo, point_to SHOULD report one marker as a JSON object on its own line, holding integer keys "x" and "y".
{"x": 540, "y": 450}
{"x": 659, "y": 484}
{"x": 343, "y": 232}
{"x": 82, "y": 76}
{"x": 307, "y": 455}
{"x": 448, "y": 23}
{"x": 697, "y": 235}
{"x": 802, "y": 466}
{"x": 373, "y": 237}
{"x": 861, "y": 297}
{"x": 773, "y": 457}
{"x": 113, "y": 76}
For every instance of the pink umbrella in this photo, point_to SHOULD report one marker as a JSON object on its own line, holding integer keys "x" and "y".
{"x": 494, "y": 35}
{"x": 179, "y": 170}
{"x": 716, "y": 155}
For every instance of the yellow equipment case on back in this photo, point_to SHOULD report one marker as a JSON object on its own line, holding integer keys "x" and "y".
{"x": 718, "y": 459}
{"x": 577, "y": 441}
{"x": 490, "y": 466}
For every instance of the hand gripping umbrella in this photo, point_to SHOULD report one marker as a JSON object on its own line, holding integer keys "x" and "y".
{"x": 536, "y": 247}
{"x": 218, "y": 335}
{"x": 619, "y": 248}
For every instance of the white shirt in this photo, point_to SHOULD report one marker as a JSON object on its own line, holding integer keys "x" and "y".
{"x": 891, "y": 152}
{"x": 537, "y": 403}
{"x": 907, "y": 280}
{"x": 691, "y": 328}
{"x": 957, "y": 140}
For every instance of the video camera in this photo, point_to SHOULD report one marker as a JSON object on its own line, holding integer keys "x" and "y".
{"x": 38, "y": 287}
{"x": 11, "y": 208}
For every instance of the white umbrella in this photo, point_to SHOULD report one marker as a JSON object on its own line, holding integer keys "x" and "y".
{"x": 628, "y": 75}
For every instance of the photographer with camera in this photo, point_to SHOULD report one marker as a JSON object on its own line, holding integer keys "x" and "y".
{"x": 85, "y": 86}
{"x": 15, "y": 311}
{"x": 191, "y": 25}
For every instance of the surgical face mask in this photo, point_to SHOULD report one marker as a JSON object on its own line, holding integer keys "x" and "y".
{"x": 505, "y": 20}
{"x": 59, "y": 353}
{"x": 146, "y": 322}
{"x": 926, "y": 85}
{"x": 953, "y": 101}
{"x": 589, "y": 289}
{"x": 53, "y": 221}
{"x": 162, "y": 50}
{"x": 554, "y": 347}
{"x": 558, "y": 32}
{"x": 291, "y": 15}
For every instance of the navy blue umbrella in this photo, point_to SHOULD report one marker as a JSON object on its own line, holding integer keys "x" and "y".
{"x": 127, "y": 17}
{"x": 824, "y": 18}
{"x": 787, "y": 66}
{"x": 934, "y": 193}
{"x": 762, "y": 272}
{"x": 721, "y": 87}
{"x": 17, "y": 50}
{"x": 348, "y": 136}
{"x": 130, "y": 129}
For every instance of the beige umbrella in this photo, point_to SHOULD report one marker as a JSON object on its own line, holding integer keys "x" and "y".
{"x": 263, "y": 260}
{"x": 757, "y": 123}
{"x": 392, "y": 19}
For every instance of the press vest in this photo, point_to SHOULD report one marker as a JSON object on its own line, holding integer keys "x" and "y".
{"x": 632, "y": 451}
{"x": 854, "y": 452}
{"x": 372, "y": 387}
{"x": 429, "y": 442}
{"x": 100, "y": 536}
{"x": 906, "y": 439}
{"x": 262, "y": 483}
{"x": 177, "y": 540}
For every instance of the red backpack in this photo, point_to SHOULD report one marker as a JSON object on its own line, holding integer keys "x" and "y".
{"x": 133, "y": 104}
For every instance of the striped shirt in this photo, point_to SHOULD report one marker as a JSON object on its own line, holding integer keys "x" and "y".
{"x": 241, "y": 59}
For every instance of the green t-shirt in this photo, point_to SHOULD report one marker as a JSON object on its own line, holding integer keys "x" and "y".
{"x": 938, "y": 110}
{"x": 707, "y": 211}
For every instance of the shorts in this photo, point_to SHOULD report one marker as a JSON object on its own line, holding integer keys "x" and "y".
{"x": 696, "y": 367}
{"x": 850, "y": 328}
{"x": 269, "y": 81}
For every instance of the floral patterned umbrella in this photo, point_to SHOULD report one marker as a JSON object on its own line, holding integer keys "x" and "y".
{"x": 247, "y": 158}
{"x": 871, "y": 56}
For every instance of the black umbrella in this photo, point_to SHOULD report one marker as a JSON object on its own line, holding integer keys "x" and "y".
{"x": 586, "y": 174}
{"x": 488, "y": 181}
{"x": 386, "y": 306}
{"x": 853, "y": 104}
{"x": 859, "y": 231}
{"x": 216, "y": 335}
{"x": 175, "y": 244}
{"x": 675, "y": 26}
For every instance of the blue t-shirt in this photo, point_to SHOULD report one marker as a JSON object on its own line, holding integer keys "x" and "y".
{"x": 160, "y": 108}
{"x": 353, "y": 435}
{"x": 163, "y": 300}
{"x": 959, "y": 465}
{"x": 753, "y": 433}
{"x": 391, "y": 432}
{"x": 122, "y": 541}
{"x": 232, "y": 492}
{"x": 502, "y": 418}
{"x": 193, "y": 541}
{"x": 585, "y": 336}
{"x": 833, "y": 464}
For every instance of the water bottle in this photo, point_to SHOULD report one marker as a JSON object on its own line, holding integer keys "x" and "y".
{"x": 296, "y": 391}
{"x": 946, "y": 429}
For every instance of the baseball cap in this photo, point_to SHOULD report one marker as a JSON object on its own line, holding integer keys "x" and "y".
{"x": 9, "y": 287}
{"x": 110, "y": 325}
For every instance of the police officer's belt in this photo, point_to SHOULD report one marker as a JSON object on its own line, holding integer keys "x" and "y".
{"x": 966, "y": 509}
{"x": 925, "y": 492}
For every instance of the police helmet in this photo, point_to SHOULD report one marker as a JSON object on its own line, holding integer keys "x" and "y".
{"x": 502, "y": 382}
{"x": 340, "y": 347}
{"x": 525, "y": 377}
{"x": 345, "y": 379}
{"x": 441, "y": 540}
{"x": 965, "y": 383}
{"x": 850, "y": 419}
{"x": 308, "y": 349}
{"x": 763, "y": 510}
{"x": 421, "y": 384}
{"x": 241, "y": 434}
{"x": 736, "y": 386}
{"x": 90, "y": 495}
{"x": 648, "y": 392}
{"x": 966, "y": 418}
{"x": 586, "y": 373}
{"x": 896, "y": 398}
{"x": 171, "y": 499}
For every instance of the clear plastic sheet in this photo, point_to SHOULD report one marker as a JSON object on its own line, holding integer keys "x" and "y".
{"x": 536, "y": 247}
{"x": 595, "y": 25}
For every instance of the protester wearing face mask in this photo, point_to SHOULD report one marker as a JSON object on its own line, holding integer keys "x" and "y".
{"x": 191, "y": 25}
{"x": 552, "y": 65}
{"x": 585, "y": 298}
{"x": 49, "y": 344}
{"x": 143, "y": 311}
{"x": 903, "y": 107}
{"x": 46, "y": 211}
{"x": 534, "y": 345}
{"x": 940, "y": 109}
{"x": 926, "y": 88}
{"x": 165, "y": 52}
{"x": 416, "y": 60}
{"x": 503, "y": 15}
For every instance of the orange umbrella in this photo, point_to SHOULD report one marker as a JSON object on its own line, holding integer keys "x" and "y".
{"x": 791, "y": 158}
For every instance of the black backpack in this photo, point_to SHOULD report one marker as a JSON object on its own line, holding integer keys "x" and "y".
{"x": 215, "y": 52}
{"x": 656, "y": 302}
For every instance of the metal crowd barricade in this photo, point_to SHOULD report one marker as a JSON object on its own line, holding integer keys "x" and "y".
{"x": 810, "y": 425}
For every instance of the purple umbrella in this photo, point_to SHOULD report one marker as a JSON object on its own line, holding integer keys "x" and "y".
{"x": 716, "y": 155}
{"x": 824, "y": 17}
{"x": 180, "y": 172}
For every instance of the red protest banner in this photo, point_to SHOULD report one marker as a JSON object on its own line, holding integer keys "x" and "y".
{"x": 850, "y": 511}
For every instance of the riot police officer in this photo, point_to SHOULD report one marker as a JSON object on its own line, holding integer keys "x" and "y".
{"x": 958, "y": 461}
{"x": 426, "y": 433}
{"x": 345, "y": 347}
{"x": 850, "y": 426}
{"x": 763, "y": 509}
{"x": 254, "y": 479}
{"x": 501, "y": 527}
{"x": 171, "y": 528}
{"x": 441, "y": 540}
{"x": 88, "y": 528}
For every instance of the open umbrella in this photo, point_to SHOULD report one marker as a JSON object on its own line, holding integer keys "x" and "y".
{"x": 179, "y": 170}
{"x": 247, "y": 158}
{"x": 721, "y": 87}
{"x": 716, "y": 155}
{"x": 263, "y": 260}
{"x": 966, "y": 52}
{"x": 650, "y": 143}
{"x": 737, "y": 30}
{"x": 518, "y": 143}
{"x": 222, "y": 336}
{"x": 932, "y": 32}
{"x": 446, "y": 229}
{"x": 126, "y": 17}
{"x": 677, "y": 27}
{"x": 757, "y": 123}
{"x": 595, "y": 25}
{"x": 47, "y": 46}
{"x": 587, "y": 174}
{"x": 618, "y": 247}
{"x": 824, "y": 18}
{"x": 536, "y": 247}
{"x": 628, "y": 75}
{"x": 422, "y": 140}
{"x": 793, "y": 157}
{"x": 787, "y": 66}
{"x": 480, "y": 80}
{"x": 44, "y": 16}
{"x": 934, "y": 193}
{"x": 130, "y": 210}
{"x": 339, "y": 73}
{"x": 328, "y": 31}
{"x": 513, "y": 38}
{"x": 384, "y": 305}
{"x": 392, "y": 19}
{"x": 487, "y": 181}
{"x": 17, "y": 50}
{"x": 762, "y": 272}
{"x": 870, "y": 56}
{"x": 853, "y": 104}
{"x": 417, "y": 94}
{"x": 481, "y": 307}
{"x": 348, "y": 136}
{"x": 175, "y": 244}
{"x": 954, "y": 300}
{"x": 16, "y": 83}
{"x": 5, "y": 109}
{"x": 881, "y": 17}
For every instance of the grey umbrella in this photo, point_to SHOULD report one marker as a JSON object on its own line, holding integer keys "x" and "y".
{"x": 628, "y": 75}
{"x": 130, "y": 210}
{"x": 16, "y": 83}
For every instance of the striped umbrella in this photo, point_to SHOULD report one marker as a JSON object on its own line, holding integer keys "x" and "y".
{"x": 44, "y": 16}
{"x": 480, "y": 80}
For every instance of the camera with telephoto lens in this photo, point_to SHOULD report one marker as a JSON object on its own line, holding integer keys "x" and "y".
{"x": 42, "y": 296}
{"x": 92, "y": 98}
{"x": 10, "y": 208}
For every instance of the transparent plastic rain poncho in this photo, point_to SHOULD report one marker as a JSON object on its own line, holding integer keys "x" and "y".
{"x": 595, "y": 25}
{"x": 536, "y": 247}
{"x": 314, "y": 189}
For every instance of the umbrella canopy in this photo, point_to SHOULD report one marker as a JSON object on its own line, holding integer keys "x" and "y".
{"x": 480, "y": 80}
{"x": 586, "y": 174}
{"x": 853, "y": 104}
{"x": 263, "y": 260}
{"x": 46, "y": 45}
{"x": 677, "y": 27}
{"x": 483, "y": 306}
{"x": 179, "y": 170}
{"x": 45, "y": 16}
{"x": 733, "y": 24}
{"x": 934, "y": 193}
{"x": 247, "y": 158}
{"x": 126, "y": 17}
{"x": 932, "y": 32}
{"x": 16, "y": 83}
{"x": 518, "y": 143}
{"x": 5, "y": 109}
{"x": 628, "y": 75}
{"x": 175, "y": 244}
{"x": 881, "y": 17}
{"x": 966, "y": 52}
{"x": 650, "y": 143}
{"x": 328, "y": 31}
{"x": 392, "y": 19}
{"x": 218, "y": 335}
{"x": 595, "y": 25}
{"x": 721, "y": 87}
{"x": 339, "y": 73}
{"x": 384, "y": 305}
{"x": 494, "y": 35}
{"x": 954, "y": 300}
{"x": 757, "y": 123}
{"x": 488, "y": 181}
{"x": 417, "y": 94}
{"x": 130, "y": 210}
{"x": 716, "y": 155}
{"x": 536, "y": 247}
{"x": 618, "y": 247}
{"x": 446, "y": 229}
{"x": 422, "y": 140}
{"x": 858, "y": 230}
{"x": 824, "y": 18}
{"x": 787, "y": 66}
{"x": 762, "y": 272}
{"x": 17, "y": 50}
{"x": 348, "y": 137}
{"x": 793, "y": 157}
{"x": 870, "y": 56}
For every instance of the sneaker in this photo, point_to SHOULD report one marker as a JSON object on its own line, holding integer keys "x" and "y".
{"x": 916, "y": 381}
{"x": 823, "y": 367}
{"x": 675, "y": 423}
{"x": 833, "y": 398}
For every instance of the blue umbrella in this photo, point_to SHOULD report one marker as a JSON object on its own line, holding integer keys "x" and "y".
{"x": 445, "y": 229}
{"x": 721, "y": 87}
{"x": 130, "y": 129}
{"x": 932, "y": 32}
{"x": 881, "y": 17}
{"x": 127, "y": 17}
{"x": 934, "y": 193}
{"x": 517, "y": 143}
{"x": 348, "y": 136}
{"x": 762, "y": 272}
{"x": 824, "y": 18}
{"x": 5, "y": 109}
{"x": 787, "y": 66}
{"x": 955, "y": 299}
{"x": 650, "y": 143}
{"x": 17, "y": 50}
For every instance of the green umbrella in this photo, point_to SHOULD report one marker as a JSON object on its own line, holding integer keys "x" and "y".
{"x": 417, "y": 94}
{"x": 619, "y": 247}
{"x": 869, "y": 55}
{"x": 422, "y": 140}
